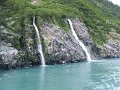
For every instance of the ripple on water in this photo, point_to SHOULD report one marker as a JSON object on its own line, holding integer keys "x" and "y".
{"x": 116, "y": 88}
{"x": 96, "y": 75}
{"x": 5, "y": 75}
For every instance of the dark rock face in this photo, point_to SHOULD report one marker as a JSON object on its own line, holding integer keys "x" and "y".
{"x": 60, "y": 46}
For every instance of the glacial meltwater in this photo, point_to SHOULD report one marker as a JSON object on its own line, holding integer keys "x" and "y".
{"x": 95, "y": 75}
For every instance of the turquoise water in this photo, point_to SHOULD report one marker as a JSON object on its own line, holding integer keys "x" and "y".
{"x": 97, "y": 75}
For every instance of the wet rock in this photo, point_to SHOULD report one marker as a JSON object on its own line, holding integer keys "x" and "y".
{"x": 60, "y": 45}
{"x": 82, "y": 32}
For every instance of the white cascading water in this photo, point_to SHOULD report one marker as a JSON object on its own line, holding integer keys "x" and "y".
{"x": 80, "y": 43}
{"x": 39, "y": 46}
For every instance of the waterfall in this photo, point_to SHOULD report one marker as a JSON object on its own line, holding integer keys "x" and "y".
{"x": 39, "y": 46}
{"x": 80, "y": 43}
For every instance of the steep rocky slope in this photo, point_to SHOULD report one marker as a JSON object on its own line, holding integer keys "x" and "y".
{"x": 97, "y": 28}
{"x": 59, "y": 46}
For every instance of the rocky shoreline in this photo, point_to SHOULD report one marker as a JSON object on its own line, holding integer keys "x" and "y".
{"x": 59, "y": 46}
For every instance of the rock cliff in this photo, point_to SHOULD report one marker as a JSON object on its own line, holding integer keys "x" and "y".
{"x": 59, "y": 46}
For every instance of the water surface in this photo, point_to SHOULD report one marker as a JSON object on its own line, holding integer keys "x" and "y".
{"x": 96, "y": 75}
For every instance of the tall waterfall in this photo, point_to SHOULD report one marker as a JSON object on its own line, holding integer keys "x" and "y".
{"x": 39, "y": 46}
{"x": 80, "y": 43}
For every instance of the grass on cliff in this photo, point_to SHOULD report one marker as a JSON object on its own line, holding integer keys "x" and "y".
{"x": 100, "y": 16}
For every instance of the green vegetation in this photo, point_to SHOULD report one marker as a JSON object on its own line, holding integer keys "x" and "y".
{"x": 100, "y": 16}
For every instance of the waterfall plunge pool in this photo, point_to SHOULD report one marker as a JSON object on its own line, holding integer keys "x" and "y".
{"x": 96, "y": 75}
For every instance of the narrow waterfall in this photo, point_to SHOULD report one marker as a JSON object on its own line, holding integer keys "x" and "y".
{"x": 80, "y": 43}
{"x": 39, "y": 46}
